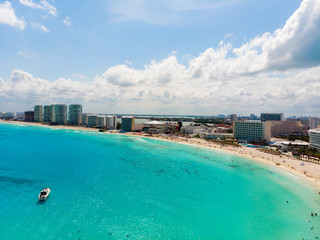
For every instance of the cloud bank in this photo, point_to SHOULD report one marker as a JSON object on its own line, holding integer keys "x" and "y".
{"x": 8, "y": 16}
{"x": 43, "y": 5}
{"x": 277, "y": 71}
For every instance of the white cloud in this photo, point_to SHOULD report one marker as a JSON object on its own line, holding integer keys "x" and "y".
{"x": 39, "y": 26}
{"x": 43, "y": 5}
{"x": 67, "y": 21}
{"x": 250, "y": 78}
{"x": 7, "y": 16}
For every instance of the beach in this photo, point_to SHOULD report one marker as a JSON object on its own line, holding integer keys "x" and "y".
{"x": 310, "y": 172}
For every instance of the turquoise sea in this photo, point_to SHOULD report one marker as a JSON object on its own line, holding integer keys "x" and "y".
{"x": 119, "y": 187}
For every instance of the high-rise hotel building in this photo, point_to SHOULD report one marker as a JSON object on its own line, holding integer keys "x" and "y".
{"x": 75, "y": 114}
{"x": 315, "y": 138}
{"x": 38, "y": 117}
{"x": 127, "y": 123}
{"x": 58, "y": 114}
{"x": 46, "y": 113}
{"x": 112, "y": 122}
{"x": 252, "y": 130}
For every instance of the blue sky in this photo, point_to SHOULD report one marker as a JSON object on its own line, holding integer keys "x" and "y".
{"x": 162, "y": 57}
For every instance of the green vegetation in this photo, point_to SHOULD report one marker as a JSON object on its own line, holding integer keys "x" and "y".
{"x": 259, "y": 142}
{"x": 303, "y": 138}
{"x": 311, "y": 152}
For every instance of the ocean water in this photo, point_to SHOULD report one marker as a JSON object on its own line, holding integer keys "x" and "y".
{"x": 119, "y": 187}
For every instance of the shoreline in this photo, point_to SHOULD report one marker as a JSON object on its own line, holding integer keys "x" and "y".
{"x": 309, "y": 172}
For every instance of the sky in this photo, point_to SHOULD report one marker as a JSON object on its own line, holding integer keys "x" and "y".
{"x": 197, "y": 57}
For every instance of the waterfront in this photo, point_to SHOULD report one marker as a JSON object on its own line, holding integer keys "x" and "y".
{"x": 113, "y": 187}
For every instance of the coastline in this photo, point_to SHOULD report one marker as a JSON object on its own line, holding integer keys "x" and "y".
{"x": 309, "y": 172}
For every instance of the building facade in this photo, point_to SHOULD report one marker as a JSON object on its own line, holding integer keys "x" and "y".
{"x": 8, "y": 115}
{"x": 75, "y": 114}
{"x": 92, "y": 120}
{"x": 52, "y": 114}
{"x": 84, "y": 118}
{"x": 315, "y": 138}
{"x": 59, "y": 113}
{"x": 112, "y": 122}
{"x": 314, "y": 122}
{"x": 38, "y": 117}
{"x": 252, "y": 130}
{"x": 29, "y": 116}
{"x": 102, "y": 121}
{"x": 155, "y": 127}
{"x": 46, "y": 113}
{"x": 233, "y": 117}
{"x": 127, "y": 123}
{"x": 287, "y": 128}
{"x": 271, "y": 117}
{"x": 215, "y": 136}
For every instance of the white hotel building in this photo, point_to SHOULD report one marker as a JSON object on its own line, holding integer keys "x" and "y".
{"x": 315, "y": 138}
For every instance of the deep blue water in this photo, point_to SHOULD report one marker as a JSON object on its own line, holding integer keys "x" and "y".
{"x": 119, "y": 187}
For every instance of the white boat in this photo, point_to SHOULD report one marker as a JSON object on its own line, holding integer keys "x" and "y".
{"x": 44, "y": 194}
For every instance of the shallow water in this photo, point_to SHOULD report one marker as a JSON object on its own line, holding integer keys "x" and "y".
{"x": 120, "y": 187}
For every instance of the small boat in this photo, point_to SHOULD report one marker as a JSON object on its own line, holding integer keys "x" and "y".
{"x": 44, "y": 194}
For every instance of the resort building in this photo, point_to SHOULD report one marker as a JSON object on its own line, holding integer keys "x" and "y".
{"x": 52, "y": 114}
{"x": 155, "y": 127}
{"x": 38, "y": 113}
{"x": 314, "y": 122}
{"x": 75, "y": 114}
{"x": 84, "y": 118}
{"x": 315, "y": 138}
{"x": 112, "y": 122}
{"x": 194, "y": 129}
{"x": 58, "y": 114}
{"x": 102, "y": 121}
{"x": 29, "y": 116}
{"x": 286, "y": 128}
{"x": 92, "y": 120}
{"x": 271, "y": 117}
{"x": 46, "y": 113}
{"x": 127, "y": 123}
{"x": 8, "y": 115}
{"x": 252, "y": 130}
{"x": 215, "y": 136}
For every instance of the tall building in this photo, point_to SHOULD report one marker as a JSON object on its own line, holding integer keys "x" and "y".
{"x": 38, "y": 113}
{"x": 102, "y": 121}
{"x": 233, "y": 117}
{"x": 315, "y": 138}
{"x": 29, "y": 116}
{"x": 58, "y": 114}
{"x": 112, "y": 122}
{"x": 252, "y": 130}
{"x": 127, "y": 123}
{"x": 92, "y": 120}
{"x": 46, "y": 113}
{"x": 52, "y": 115}
{"x": 84, "y": 118}
{"x": 271, "y": 117}
{"x": 314, "y": 122}
{"x": 75, "y": 114}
